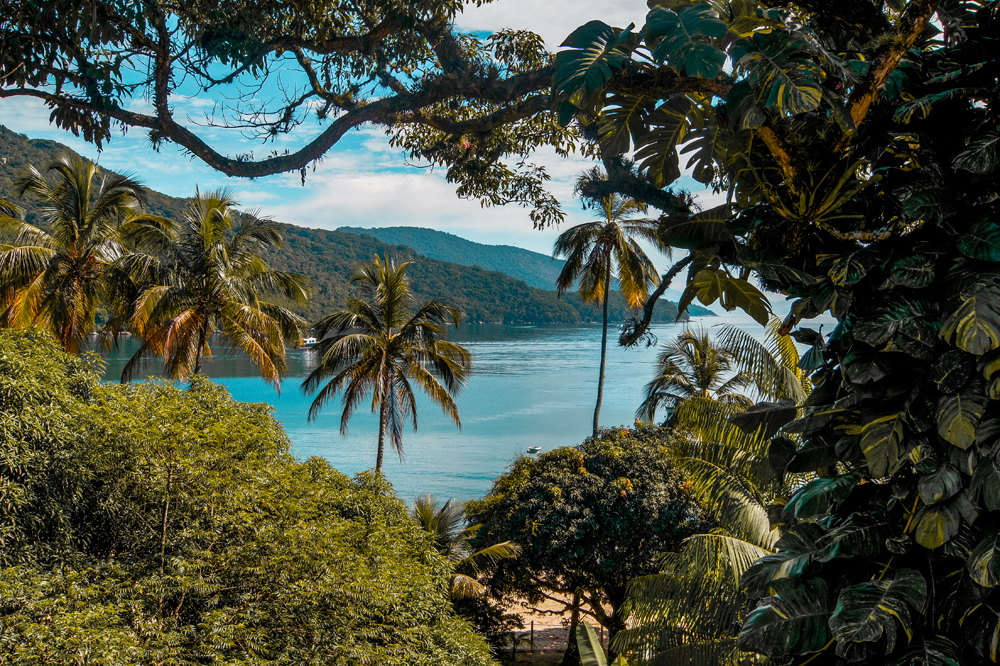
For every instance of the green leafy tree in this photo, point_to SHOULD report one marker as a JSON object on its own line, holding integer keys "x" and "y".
{"x": 588, "y": 519}
{"x": 55, "y": 272}
{"x": 378, "y": 346}
{"x": 183, "y": 283}
{"x": 143, "y": 523}
{"x": 452, "y": 536}
{"x": 858, "y": 142}
{"x": 598, "y": 252}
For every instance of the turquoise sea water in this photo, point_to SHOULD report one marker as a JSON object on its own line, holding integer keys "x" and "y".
{"x": 530, "y": 386}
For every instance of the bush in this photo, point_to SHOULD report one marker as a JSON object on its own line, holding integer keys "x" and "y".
{"x": 143, "y": 523}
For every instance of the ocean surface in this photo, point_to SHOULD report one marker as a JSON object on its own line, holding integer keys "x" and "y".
{"x": 530, "y": 386}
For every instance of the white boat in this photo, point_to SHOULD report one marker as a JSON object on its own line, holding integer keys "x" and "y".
{"x": 534, "y": 449}
{"x": 306, "y": 343}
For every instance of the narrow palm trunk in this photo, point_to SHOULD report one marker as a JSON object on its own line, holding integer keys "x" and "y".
{"x": 201, "y": 348}
{"x": 381, "y": 438}
{"x": 604, "y": 346}
{"x": 571, "y": 657}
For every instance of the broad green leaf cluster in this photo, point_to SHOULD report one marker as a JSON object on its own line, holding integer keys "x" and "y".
{"x": 149, "y": 524}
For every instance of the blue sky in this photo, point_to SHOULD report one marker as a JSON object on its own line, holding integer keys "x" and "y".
{"x": 362, "y": 181}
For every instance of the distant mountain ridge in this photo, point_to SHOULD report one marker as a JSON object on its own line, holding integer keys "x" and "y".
{"x": 538, "y": 270}
{"x": 330, "y": 258}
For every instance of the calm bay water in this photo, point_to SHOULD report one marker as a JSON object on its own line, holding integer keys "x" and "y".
{"x": 530, "y": 386}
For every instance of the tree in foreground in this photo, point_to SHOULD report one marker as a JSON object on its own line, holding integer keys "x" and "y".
{"x": 182, "y": 284}
{"x": 604, "y": 250}
{"x": 55, "y": 273}
{"x": 148, "y": 524}
{"x": 377, "y": 346}
{"x": 858, "y": 141}
{"x": 452, "y": 535}
{"x": 588, "y": 519}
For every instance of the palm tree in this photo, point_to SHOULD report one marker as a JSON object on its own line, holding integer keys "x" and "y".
{"x": 204, "y": 277}
{"x": 599, "y": 251}
{"x": 55, "y": 273}
{"x": 377, "y": 346}
{"x": 452, "y": 536}
{"x": 692, "y": 611}
{"x": 694, "y": 365}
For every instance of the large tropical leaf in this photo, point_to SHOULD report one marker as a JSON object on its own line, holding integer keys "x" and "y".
{"x": 860, "y": 535}
{"x": 683, "y": 45}
{"x": 915, "y": 271}
{"x": 931, "y": 651}
{"x": 703, "y": 229}
{"x": 983, "y": 564}
{"x": 656, "y": 151}
{"x": 591, "y": 652}
{"x": 595, "y": 51}
{"x": 867, "y": 611}
{"x": 796, "y": 549}
{"x": 881, "y": 442}
{"x": 624, "y": 119}
{"x": 942, "y": 484}
{"x": 958, "y": 414}
{"x": 981, "y": 156}
{"x": 765, "y": 419}
{"x": 817, "y": 496}
{"x": 780, "y": 67}
{"x": 708, "y": 141}
{"x": 791, "y": 621}
{"x": 982, "y": 241}
{"x": 975, "y": 325}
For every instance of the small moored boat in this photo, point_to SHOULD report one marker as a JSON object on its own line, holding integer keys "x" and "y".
{"x": 306, "y": 343}
{"x": 534, "y": 449}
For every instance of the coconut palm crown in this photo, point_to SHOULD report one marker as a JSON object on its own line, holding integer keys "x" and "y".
{"x": 377, "y": 346}
{"x": 205, "y": 276}
{"x": 603, "y": 250}
{"x": 54, "y": 273}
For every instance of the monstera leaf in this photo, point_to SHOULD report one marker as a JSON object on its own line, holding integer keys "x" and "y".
{"x": 982, "y": 241}
{"x": 958, "y": 414}
{"x": 986, "y": 482}
{"x": 931, "y": 651}
{"x": 940, "y": 485}
{"x": 683, "y": 45}
{"x": 765, "y": 418}
{"x": 981, "y": 156}
{"x": 597, "y": 50}
{"x": 656, "y": 152}
{"x": 861, "y": 535}
{"x": 708, "y": 141}
{"x": 702, "y": 229}
{"x": 916, "y": 272}
{"x": 796, "y": 548}
{"x": 882, "y": 440}
{"x": 983, "y": 564}
{"x": 710, "y": 284}
{"x": 779, "y": 67}
{"x": 936, "y": 525}
{"x": 909, "y": 326}
{"x": 791, "y": 621}
{"x": 817, "y": 496}
{"x": 845, "y": 270}
{"x": 623, "y": 120}
{"x": 869, "y": 610}
{"x": 975, "y": 326}
{"x": 951, "y": 370}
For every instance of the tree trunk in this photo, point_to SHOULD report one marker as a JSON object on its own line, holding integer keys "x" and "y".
{"x": 604, "y": 345}
{"x": 202, "y": 339}
{"x": 572, "y": 655}
{"x": 381, "y": 438}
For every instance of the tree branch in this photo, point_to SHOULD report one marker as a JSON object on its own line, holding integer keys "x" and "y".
{"x": 633, "y": 330}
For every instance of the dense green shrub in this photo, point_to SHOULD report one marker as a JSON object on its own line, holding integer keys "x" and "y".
{"x": 149, "y": 524}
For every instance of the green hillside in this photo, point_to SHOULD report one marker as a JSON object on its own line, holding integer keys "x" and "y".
{"x": 329, "y": 258}
{"x": 536, "y": 269}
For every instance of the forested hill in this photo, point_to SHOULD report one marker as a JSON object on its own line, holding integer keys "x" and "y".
{"x": 329, "y": 258}
{"x": 538, "y": 270}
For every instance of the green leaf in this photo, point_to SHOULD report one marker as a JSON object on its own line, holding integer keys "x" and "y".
{"x": 624, "y": 119}
{"x": 982, "y": 241}
{"x": 864, "y": 367}
{"x": 765, "y": 418}
{"x": 909, "y": 326}
{"x": 881, "y": 442}
{"x": 861, "y": 535}
{"x": 738, "y": 293}
{"x": 779, "y": 67}
{"x": 975, "y": 326}
{"x": 931, "y": 651}
{"x": 983, "y": 564}
{"x": 591, "y": 652}
{"x": 951, "y": 370}
{"x": 708, "y": 141}
{"x": 869, "y": 610}
{"x": 816, "y": 497}
{"x": 702, "y": 229}
{"x": 982, "y": 155}
{"x": 656, "y": 151}
{"x": 922, "y": 107}
{"x": 936, "y": 525}
{"x": 795, "y": 550}
{"x": 986, "y": 483}
{"x": 791, "y": 621}
{"x": 683, "y": 46}
{"x": 597, "y": 50}
{"x": 847, "y": 269}
{"x": 780, "y": 452}
{"x": 958, "y": 413}
{"x": 938, "y": 486}
{"x": 815, "y": 454}
{"x": 915, "y": 272}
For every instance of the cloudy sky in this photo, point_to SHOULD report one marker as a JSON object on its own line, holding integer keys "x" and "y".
{"x": 362, "y": 181}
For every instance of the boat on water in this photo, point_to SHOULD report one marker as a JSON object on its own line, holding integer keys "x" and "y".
{"x": 534, "y": 449}
{"x": 306, "y": 343}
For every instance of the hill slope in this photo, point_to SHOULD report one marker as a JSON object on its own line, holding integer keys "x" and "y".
{"x": 329, "y": 258}
{"x": 536, "y": 269}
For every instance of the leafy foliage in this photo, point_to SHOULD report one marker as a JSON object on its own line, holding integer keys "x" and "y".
{"x": 148, "y": 523}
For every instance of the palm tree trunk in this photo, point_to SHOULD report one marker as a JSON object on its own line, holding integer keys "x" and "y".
{"x": 604, "y": 345}
{"x": 381, "y": 438}
{"x": 571, "y": 657}
{"x": 202, "y": 338}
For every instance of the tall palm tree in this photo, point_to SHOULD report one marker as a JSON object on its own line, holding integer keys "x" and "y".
{"x": 377, "y": 346}
{"x": 55, "y": 272}
{"x": 452, "y": 536}
{"x": 599, "y": 251}
{"x": 694, "y": 365}
{"x": 692, "y": 611}
{"x": 206, "y": 276}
